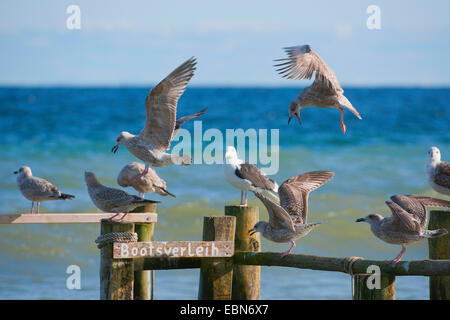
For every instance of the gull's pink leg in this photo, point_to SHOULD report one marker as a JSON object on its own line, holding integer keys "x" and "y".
{"x": 285, "y": 253}
{"x": 242, "y": 197}
{"x": 344, "y": 128}
{"x": 32, "y": 207}
{"x": 246, "y": 195}
{"x": 143, "y": 195}
{"x": 112, "y": 218}
{"x": 399, "y": 257}
{"x": 140, "y": 175}
{"x": 38, "y": 207}
{"x": 121, "y": 219}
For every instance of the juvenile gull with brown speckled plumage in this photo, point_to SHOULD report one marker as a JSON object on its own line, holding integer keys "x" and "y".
{"x": 325, "y": 91}
{"x": 407, "y": 223}
{"x": 288, "y": 221}
{"x": 111, "y": 199}
{"x": 151, "y": 182}
{"x": 37, "y": 189}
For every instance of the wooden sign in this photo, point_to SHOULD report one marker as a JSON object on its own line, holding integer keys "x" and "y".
{"x": 188, "y": 249}
{"x": 48, "y": 218}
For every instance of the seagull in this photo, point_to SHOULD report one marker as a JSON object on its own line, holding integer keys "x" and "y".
{"x": 151, "y": 182}
{"x": 438, "y": 172}
{"x": 112, "y": 200}
{"x": 288, "y": 221}
{"x": 407, "y": 223}
{"x": 37, "y": 189}
{"x": 161, "y": 107}
{"x": 325, "y": 92}
{"x": 247, "y": 177}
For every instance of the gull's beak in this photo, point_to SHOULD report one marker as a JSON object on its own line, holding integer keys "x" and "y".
{"x": 297, "y": 114}
{"x": 115, "y": 148}
{"x": 226, "y": 154}
{"x": 298, "y": 117}
{"x": 360, "y": 220}
{"x": 251, "y": 232}
{"x": 16, "y": 172}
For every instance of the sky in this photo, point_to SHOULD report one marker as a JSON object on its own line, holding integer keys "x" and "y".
{"x": 123, "y": 43}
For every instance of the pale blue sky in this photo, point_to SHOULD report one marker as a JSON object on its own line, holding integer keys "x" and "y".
{"x": 139, "y": 42}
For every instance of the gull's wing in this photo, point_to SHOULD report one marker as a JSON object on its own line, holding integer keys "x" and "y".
{"x": 416, "y": 205}
{"x": 183, "y": 119}
{"x": 302, "y": 62}
{"x": 256, "y": 177}
{"x": 294, "y": 193}
{"x": 403, "y": 219}
{"x": 161, "y": 106}
{"x": 442, "y": 176}
{"x": 278, "y": 217}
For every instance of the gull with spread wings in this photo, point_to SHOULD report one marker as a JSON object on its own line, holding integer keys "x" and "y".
{"x": 288, "y": 221}
{"x": 408, "y": 222}
{"x": 325, "y": 91}
{"x": 161, "y": 124}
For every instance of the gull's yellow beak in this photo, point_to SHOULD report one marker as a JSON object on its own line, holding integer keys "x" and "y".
{"x": 251, "y": 232}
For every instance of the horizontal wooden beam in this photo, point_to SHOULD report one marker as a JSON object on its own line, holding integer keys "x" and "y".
{"x": 49, "y": 218}
{"x": 403, "y": 268}
{"x": 187, "y": 249}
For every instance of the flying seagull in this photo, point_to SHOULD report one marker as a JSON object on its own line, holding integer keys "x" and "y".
{"x": 161, "y": 108}
{"x": 112, "y": 200}
{"x": 151, "y": 182}
{"x": 288, "y": 221}
{"x": 247, "y": 177}
{"x": 407, "y": 223}
{"x": 325, "y": 92}
{"x": 438, "y": 172}
{"x": 37, "y": 189}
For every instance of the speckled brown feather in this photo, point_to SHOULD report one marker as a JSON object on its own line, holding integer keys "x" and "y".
{"x": 294, "y": 193}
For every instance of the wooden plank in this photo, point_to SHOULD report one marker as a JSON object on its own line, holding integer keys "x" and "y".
{"x": 116, "y": 275}
{"x": 246, "y": 279}
{"x": 49, "y": 218}
{"x": 301, "y": 261}
{"x": 188, "y": 249}
{"x": 439, "y": 249}
{"x": 216, "y": 274}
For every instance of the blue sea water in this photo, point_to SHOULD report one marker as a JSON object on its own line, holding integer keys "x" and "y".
{"x": 62, "y": 132}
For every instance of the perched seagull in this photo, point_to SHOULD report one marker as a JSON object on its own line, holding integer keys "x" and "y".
{"x": 247, "y": 177}
{"x": 325, "y": 92}
{"x": 288, "y": 221}
{"x": 438, "y": 172}
{"x": 151, "y": 182}
{"x": 37, "y": 189}
{"x": 407, "y": 223}
{"x": 112, "y": 200}
{"x": 161, "y": 108}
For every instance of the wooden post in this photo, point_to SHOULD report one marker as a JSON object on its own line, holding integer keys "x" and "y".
{"x": 386, "y": 291}
{"x": 216, "y": 274}
{"x": 439, "y": 249}
{"x": 116, "y": 275}
{"x": 246, "y": 279}
{"x": 145, "y": 232}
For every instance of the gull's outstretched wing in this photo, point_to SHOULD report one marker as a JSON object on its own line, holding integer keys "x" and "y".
{"x": 302, "y": 62}
{"x": 294, "y": 193}
{"x": 278, "y": 217}
{"x": 161, "y": 106}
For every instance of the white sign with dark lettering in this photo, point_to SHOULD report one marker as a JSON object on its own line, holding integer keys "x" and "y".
{"x": 188, "y": 249}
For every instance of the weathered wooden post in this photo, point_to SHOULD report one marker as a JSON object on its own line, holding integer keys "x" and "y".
{"x": 145, "y": 232}
{"x": 216, "y": 274}
{"x": 116, "y": 275}
{"x": 363, "y": 292}
{"x": 439, "y": 248}
{"x": 246, "y": 279}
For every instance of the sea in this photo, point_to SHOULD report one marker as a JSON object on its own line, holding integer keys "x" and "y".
{"x": 62, "y": 132}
